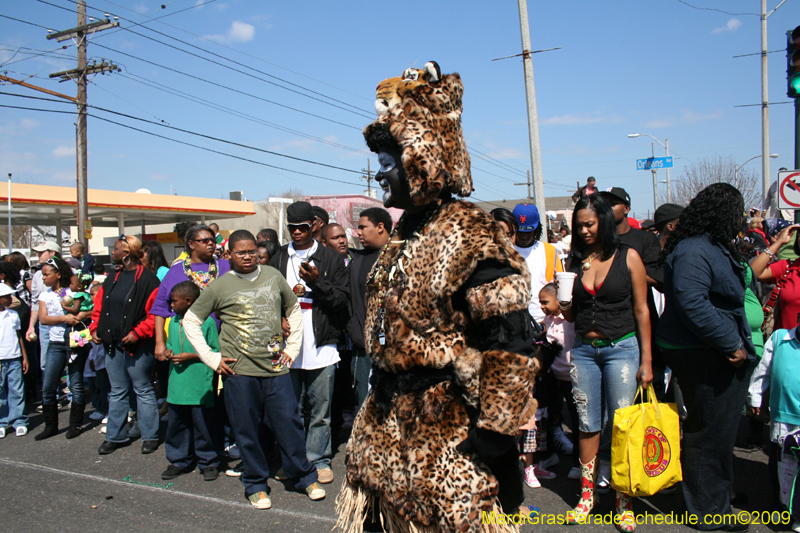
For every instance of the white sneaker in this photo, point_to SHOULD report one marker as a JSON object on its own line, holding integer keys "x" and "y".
{"x": 22, "y": 431}
{"x": 574, "y": 473}
{"x": 604, "y": 477}
{"x": 796, "y": 526}
{"x": 105, "y": 421}
{"x": 562, "y": 443}
{"x": 2, "y": 433}
{"x": 553, "y": 460}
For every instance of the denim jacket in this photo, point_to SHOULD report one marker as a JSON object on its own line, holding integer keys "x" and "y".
{"x": 704, "y": 294}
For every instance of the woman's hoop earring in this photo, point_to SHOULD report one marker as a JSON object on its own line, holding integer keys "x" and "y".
{"x": 126, "y": 260}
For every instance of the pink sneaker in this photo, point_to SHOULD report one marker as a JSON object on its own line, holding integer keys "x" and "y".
{"x": 530, "y": 478}
{"x": 543, "y": 473}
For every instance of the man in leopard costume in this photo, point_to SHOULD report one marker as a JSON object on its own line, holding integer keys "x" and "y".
{"x": 447, "y": 330}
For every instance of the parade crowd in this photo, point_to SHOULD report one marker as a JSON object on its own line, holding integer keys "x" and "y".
{"x": 252, "y": 355}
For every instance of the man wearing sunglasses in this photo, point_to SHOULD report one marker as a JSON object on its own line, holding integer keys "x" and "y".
{"x": 319, "y": 279}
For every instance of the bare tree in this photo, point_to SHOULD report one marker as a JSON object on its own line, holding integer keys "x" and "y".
{"x": 697, "y": 176}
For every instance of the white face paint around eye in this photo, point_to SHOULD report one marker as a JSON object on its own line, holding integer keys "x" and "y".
{"x": 386, "y": 162}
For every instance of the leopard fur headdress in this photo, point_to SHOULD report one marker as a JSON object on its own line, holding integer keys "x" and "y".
{"x": 422, "y": 111}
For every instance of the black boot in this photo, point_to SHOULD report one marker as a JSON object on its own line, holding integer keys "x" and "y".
{"x": 75, "y": 420}
{"x": 50, "y": 414}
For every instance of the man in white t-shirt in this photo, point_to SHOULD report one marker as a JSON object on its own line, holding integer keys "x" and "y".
{"x": 319, "y": 278}
{"x": 541, "y": 257}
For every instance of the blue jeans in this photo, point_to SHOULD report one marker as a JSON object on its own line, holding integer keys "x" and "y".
{"x": 253, "y": 403}
{"x": 128, "y": 371}
{"x": 44, "y": 342}
{"x": 189, "y": 436}
{"x": 57, "y": 357}
{"x": 12, "y": 394}
{"x": 316, "y": 386}
{"x": 601, "y": 376}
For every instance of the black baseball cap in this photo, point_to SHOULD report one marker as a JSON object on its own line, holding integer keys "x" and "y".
{"x": 320, "y": 213}
{"x": 665, "y": 213}
{"x": 618, "y": 193}
{"x": 647, "y": 224}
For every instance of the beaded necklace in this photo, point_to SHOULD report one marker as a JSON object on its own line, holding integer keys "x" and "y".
{"x": 387, "y": 276}
{"x": 201, "y": 279}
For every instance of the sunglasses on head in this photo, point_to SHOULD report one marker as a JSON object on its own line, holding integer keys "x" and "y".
{"x": 123, "y": 238}
{"x": 52, "y": 263}
{"x": 305, "y": 226}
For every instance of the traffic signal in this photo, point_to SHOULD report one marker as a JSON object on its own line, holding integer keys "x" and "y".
{"x": 793, "y": 62}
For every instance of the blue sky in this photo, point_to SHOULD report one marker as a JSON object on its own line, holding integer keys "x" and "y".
{"x": 662, "y": 68}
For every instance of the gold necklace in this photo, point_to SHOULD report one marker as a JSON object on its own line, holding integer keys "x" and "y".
{"x": 588, "y": 263}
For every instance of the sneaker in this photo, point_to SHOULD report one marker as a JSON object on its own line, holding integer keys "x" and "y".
{"x": 325, "y": 475}
{"x": 22, "y": 431}
{"x": 210, "y": 473}
{"x": 315, "y": 492}
{"x": 108, "y": 447}
{"x": 232, "y": 452}
{"x": 149, "y": 446}
{"x": 553, "y": 460}
{"x": 105, "y": 420}
{"x": 173, "y": 471}
{"x": 2, "y": 433}
{"x": 96, "y": 415}
{"x": 280, "y": 475}
{"x": 235, "y": 471}
{"x": 260, "y": 500}
{"x": 103, "y": 430}
{"x": 530, "y": 478}
{"x": 562, "y": 443}
{"x": 796, "y": 526}
{"x": 604, "y": 477}
{"x": 39, "y": 408}
{"x": 574, "y": 473}
{"x": 542, "y": 473}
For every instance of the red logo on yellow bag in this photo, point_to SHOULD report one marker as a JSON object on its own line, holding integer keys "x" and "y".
{"x": 655, "y": 452}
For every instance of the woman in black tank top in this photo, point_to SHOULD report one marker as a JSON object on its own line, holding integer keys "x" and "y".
{"x": 609, "y": 308}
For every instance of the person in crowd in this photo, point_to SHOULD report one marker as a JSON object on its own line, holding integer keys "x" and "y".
{"x": 334, "y": 237}
{"x": 268, "y": 234}
{"x": 78, "y": 251}
{"x": 706, "y": 340}
{"x": 586, "y": 190}
{"x": 99, "y": 385}
{"x": 200, "y": 266}
{"x": 190, "y": 423}
{"x": 123, "y": 322}
{"x": 559, "y": 330}
{"x": 666, "y": 220}
{"x": 258, "y": 390}
{"x": 218, "y": 239}
{"x": 319, "y": 279}
{"x": 56, "y": 277}
{"x": 13, "y": 367}
{"x": 11, "y": 275}
{"x": 507, "y": 222}
{"x": 374, "y": 227}
{"x": 649, "y": 224}
{"x": 19, "y": 260}
{"x": 609, "y": 309}
{"x": 99, "y": 274}
{"x": 756, "y": 233}
{"x": 181, "y": 228}
{"x": 266, "y": 251}
{"x": 79, "y": 304}
{"x": 784, "y": 274}
{"x": 541, "y": 257}
{"x": 320, "y": 220}
{"x": 769, "y": 208}
{"x": 154, "y": 259}
{"x": 47, "y": 250}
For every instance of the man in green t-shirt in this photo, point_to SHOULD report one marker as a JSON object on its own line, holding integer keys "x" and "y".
{"x": 249, "y": 302}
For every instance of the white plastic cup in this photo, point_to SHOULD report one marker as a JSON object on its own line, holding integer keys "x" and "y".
{"x": 566, "y": 280}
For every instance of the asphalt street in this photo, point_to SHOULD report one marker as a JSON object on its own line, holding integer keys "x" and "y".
{"x": 65, "y": 485}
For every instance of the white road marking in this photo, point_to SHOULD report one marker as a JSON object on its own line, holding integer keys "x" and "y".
{"x": 42, "y": 468}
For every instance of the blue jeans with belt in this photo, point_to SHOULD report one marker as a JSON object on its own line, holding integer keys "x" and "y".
{"x": 131, "y": 371}
{"x": 603, "y": 375}
{"x": 57, "y": 357}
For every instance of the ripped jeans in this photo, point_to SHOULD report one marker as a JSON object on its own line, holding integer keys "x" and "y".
{"x": 606, "y": 374}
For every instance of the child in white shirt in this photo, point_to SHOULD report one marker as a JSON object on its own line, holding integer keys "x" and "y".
{"x": 13, "y": 364}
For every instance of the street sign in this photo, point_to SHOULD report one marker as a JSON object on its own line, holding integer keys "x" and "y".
{"x": 789, "y": 189}
{"x": 654, "y": 162}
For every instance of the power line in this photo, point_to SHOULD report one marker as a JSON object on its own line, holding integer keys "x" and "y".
{"x": 717, "y": 10}
{"x": 26, "y": 22}
{"x": 225, "y": 87}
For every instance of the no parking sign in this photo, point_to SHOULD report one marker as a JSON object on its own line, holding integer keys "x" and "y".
{"x": 789, "y": 189}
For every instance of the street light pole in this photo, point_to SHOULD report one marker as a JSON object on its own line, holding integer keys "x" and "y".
{"x": 737, "y": 169}
{"x": 669, "y": 186}
{"x": 655, "y": 180}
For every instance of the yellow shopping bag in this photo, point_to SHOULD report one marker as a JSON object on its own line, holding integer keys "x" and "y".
{"x": 645, "y": 447}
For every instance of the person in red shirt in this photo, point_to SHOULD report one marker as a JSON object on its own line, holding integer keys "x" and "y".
{"x": 785, "y": 273}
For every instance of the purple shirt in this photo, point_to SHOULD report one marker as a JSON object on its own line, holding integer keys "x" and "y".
{"x": 176, "y": 275}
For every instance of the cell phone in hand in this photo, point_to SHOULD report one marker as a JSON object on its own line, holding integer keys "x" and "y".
{"x": 306, "y": 265}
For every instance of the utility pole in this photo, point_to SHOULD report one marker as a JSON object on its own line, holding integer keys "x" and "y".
{"x": 765, "y": 177}
{"x": 530, "y": 185}
{"x": 80, "y": 34}
{"x": 655, "y": 178}
{"x": 533, "y": 119}
{"x": 669, "y": 185}
{"x": 368, "y": 176}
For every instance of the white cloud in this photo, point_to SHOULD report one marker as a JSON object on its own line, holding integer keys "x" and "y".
{"x": 581, "y": 120}
{"x": 64, "y": 151}
{"x": 731, "y": 25}
{"x": 239, "y": 32}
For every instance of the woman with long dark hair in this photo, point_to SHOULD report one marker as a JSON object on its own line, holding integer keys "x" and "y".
{"x": 706, "y": 340}
{"x": 609, "y": 308}
{"x": 154, "y": 259}
{"x": 122, "y": 321}
{"x": 507, "y": 222}
{"x": 56, "y": 276}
